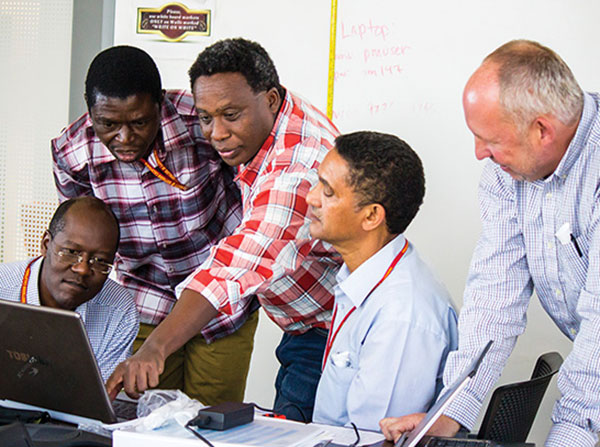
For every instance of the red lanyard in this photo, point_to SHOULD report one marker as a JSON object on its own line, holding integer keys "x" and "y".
{"x": 332, "y": 333}
{"x": 25, "y": 282}
{"x": 163, "y": 173}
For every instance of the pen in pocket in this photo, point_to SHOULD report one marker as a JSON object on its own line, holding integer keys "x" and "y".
{"x": 576, "y": 245}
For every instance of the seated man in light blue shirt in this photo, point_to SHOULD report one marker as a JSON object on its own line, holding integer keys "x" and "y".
{"x": 77, "y": 251}
{"x": 393, "y": 322}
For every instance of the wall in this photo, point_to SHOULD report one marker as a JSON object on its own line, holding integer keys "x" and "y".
{"x": 93, "y": 29}
{"x": 35, "y": 48}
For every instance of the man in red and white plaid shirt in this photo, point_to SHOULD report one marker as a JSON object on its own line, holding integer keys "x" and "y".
{"x": 141, "y": 150}
{"x": 278, "y": 141}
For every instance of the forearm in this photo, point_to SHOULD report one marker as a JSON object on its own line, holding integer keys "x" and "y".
{"x": 189, "y": 316}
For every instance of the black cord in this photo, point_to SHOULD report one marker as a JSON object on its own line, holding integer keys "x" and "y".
{"x": 258, "y": 407}
{"x": 357, "y": 433}
{"x": 198, "y": 435}
{"x": 289, "y": 404}
{"x": 297, "y": 407}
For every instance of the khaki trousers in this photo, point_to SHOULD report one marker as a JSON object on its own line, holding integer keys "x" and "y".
{"x": 211, "y": 373}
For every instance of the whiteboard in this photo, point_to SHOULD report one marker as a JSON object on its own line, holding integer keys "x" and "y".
{"x": 401, "y": 67}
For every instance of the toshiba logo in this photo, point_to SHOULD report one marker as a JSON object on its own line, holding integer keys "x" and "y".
{"x": 19, "y": 356}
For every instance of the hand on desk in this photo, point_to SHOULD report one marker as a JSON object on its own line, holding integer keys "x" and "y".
{"x": 393, "y": 428}
{"x": 136, "y": 374}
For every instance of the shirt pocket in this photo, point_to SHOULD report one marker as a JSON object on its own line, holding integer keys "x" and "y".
{"x": 572, "y": 267}
{"x": 343, "y": 364}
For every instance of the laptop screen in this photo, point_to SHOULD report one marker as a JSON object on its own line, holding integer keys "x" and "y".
{"x": 47, "y": 361}
{"x": 411, "y": 439}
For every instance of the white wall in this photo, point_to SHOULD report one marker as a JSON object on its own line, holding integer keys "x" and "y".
{"x": 35, "y": 49}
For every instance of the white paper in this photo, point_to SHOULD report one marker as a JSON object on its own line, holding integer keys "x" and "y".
{"x": 564, "y": 233}
{"x": 267, "y": 432}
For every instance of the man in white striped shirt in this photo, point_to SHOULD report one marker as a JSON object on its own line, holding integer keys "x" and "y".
{"x": 540, "y": 231}
{"x": 77, "y": 252}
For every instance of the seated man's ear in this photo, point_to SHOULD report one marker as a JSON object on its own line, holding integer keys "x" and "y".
{"x": 374, "y": 216}
{"x": 44, "y": 243}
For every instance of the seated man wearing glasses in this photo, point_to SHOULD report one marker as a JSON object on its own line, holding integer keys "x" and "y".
{"x": 72, "y": 273}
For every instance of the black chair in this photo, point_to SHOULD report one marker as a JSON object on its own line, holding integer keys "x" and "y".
{"x": 513, "y": 407}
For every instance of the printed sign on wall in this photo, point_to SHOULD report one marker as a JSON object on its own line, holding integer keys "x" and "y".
{"x": 173, "y": 21}
{"x": 167, "y": 30}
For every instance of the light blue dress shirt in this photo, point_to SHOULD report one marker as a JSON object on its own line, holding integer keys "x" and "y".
{"x": 519, "y": 251}
{"x": 388, "y": 357}
{"x": 110, "y": 318}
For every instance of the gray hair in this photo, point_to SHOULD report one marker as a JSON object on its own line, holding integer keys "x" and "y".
{"x": 534, "y": 80}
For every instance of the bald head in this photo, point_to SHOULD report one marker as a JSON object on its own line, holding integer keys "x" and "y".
{"x": 523, "y": 114}
{"x": 533, "y": 80}
{"x": 102, "y": 216}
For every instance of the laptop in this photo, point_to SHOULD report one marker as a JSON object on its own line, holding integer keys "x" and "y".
{"x": 412, "y": 438}
{"x": 417, "y": 437}
{"x": 48, "y": 363}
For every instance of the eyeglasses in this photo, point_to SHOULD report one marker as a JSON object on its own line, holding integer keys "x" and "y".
{"x": 73, "y": 257}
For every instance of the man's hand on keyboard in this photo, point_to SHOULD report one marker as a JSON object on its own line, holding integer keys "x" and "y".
{"x": 138, "y": 373}
{"x": 393, "y": 428}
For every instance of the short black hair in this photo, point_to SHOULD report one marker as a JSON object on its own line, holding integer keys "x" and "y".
{"x": 57, "y": 223}
{"x": 384, "y": 170}
{"x": 238, "y": 56}
{"x": 120, "y": 72}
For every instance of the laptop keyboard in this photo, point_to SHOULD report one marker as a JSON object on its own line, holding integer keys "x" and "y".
{"x": 449, "y": 442}
{"x": 124, "y": 409}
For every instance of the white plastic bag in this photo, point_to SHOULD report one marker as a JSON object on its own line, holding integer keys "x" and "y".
{"x": 156, "y": 408}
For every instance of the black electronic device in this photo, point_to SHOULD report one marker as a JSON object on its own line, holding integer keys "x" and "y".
{"x": 18, "y": 434}
{"x": 223, "y": 416}
{"x": 48, "y": 363}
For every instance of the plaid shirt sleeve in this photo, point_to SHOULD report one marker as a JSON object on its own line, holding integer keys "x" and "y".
{"x": 69, "y": 183}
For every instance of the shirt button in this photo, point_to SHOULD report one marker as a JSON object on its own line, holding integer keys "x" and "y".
{"x": 170, "y": 269}
{"x": 573, "y": 331}
{"x": 550, "y": 245}
{"x": 549, "y": 195}
{"x": 164, "y": 246}
{"x": 558, "y": 292}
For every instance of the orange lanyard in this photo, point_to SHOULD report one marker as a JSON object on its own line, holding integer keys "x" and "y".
{"x": 25, "y": 282}
{"x": 163, "y": 173}
{"x": 332, "y": 333}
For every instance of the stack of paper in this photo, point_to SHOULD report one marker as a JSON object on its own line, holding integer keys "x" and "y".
{"x": 262, "y": 432}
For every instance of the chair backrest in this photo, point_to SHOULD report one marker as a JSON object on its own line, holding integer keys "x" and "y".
{"x": 513, "y": 407}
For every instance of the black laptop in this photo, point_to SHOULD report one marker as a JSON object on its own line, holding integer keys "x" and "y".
{"x": 48, "y": 363}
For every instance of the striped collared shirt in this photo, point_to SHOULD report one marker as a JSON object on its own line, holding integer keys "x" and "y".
{"x": 521, "y": 250}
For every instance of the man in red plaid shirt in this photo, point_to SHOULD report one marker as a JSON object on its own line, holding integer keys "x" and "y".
{"x": 277, "y": 142}
{"x": 141, "y": 150}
